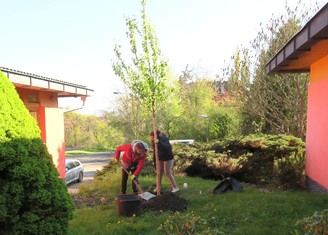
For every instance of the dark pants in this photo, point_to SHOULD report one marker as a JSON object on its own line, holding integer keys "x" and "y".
{"x": 125, "y": 177}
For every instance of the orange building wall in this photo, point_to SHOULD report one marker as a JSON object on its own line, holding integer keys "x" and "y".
{"x": 43, "y": 106}
{"x": 317, "y": 124}
{"x": 42, "y": 98}
{"x": 52, "y": 128}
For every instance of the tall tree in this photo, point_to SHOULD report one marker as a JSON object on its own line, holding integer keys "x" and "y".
{"x": 144, "y": 75}
{"x": 133, "y": 118}
{"x": 91, "y": 131}
{"x": 76, "y": 132}
{"x": 199, "y": 106}
{"x": 170, "y": 109}
{"x": 273, "y": 103}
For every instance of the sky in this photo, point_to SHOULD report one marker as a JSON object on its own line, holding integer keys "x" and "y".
{"x": 73, "y": 40}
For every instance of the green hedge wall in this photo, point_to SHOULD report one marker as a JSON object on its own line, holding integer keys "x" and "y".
{"x": 33, "y": 199}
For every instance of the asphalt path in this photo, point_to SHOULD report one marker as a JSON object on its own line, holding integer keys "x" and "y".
{"x": 92, "y": 163}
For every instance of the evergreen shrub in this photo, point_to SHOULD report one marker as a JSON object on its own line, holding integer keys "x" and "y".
{"x": 316, "y": 224}
{"x": 260, "y": 159}
{"x": 278, "y": 160}
{"x": 33, "y": 199}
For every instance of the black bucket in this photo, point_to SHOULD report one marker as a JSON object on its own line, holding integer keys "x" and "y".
{"x": 128, "y": 205}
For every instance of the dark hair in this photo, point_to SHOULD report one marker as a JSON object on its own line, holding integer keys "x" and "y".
{"x": 140, "y": 145}
{"x": 157, "y": 133}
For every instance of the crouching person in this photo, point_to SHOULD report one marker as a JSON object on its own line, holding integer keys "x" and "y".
{"x": 133, "y": 160}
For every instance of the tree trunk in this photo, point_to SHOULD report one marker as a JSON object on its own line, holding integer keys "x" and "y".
{"x": 158, "y": 170}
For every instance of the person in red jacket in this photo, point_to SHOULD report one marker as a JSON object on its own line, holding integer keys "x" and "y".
{"x": 133, "y": 160}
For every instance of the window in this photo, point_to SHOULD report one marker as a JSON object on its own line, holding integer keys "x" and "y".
{"x": 32, "y": 99}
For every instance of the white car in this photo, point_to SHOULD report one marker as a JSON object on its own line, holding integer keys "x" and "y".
{"x": 74, "y": 171}
{"x": 182, "y": 141}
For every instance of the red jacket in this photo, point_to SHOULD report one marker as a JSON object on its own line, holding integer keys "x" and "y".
{"x": 129, "y": 157}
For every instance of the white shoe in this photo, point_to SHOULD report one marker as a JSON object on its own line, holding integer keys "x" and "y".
{"x": 175, "y": 190}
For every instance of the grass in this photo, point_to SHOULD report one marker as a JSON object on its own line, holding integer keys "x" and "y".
{"x": 253, "y": 211}
{"x": 85, "y": 151}
{"x": 78, "y": 152}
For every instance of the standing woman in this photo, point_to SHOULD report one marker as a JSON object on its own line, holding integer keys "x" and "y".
{"x": 165, "y": 157}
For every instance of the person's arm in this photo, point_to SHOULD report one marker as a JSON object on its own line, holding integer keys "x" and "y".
{"x": 140, "y": 166}
{"x": 118, "y": 151}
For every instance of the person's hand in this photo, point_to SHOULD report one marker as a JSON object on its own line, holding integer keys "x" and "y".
{"x": 156, "y": 141}
{"x": 132, "y": 177}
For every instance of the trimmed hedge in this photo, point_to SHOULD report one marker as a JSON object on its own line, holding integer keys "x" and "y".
{"x": 33, "y": 199}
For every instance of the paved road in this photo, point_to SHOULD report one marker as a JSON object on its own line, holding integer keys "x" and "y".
{"x": 92, "y": 163}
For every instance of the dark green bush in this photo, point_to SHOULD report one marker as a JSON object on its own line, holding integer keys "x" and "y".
{"x": 278, "y": 160}
{"x": 259, "y": 159}
{"x": 33, "y": 200}
{"x": 317, "y": 224}
{"x": 187, "y": 223}
{"x": 290, "y": 171}
{"x": 221, "y": 125}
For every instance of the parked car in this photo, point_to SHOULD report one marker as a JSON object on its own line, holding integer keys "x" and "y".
{"x": 74, "y": 171}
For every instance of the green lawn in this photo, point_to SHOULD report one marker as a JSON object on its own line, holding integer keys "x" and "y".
{"x": 78, "y": 152}
{"x": 86, "y": 151}
{"x": 253, "y": 211}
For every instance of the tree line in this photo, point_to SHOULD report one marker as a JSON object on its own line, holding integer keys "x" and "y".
{"x": 242, "y": 100}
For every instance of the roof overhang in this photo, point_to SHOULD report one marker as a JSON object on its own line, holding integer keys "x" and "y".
{"x": 36, "y": 82}
{"x": 304, "y": 48}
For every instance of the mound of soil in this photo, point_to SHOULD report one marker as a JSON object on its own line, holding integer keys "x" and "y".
{"x": 165, "y": 202}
